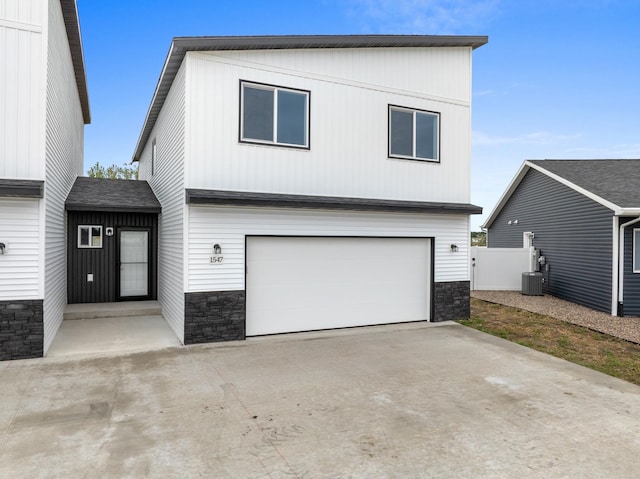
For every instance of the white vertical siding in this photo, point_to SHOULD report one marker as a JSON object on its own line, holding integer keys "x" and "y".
{"x": 64, "y": 162}
{"x": 21, "y": 85}
{"x": 167, "y": 183}
{"x": 20, "y": 266}
{"x": 417, "y": 70}
{"x": 228, "y": 227}
{"x": 350, "y": 94}
{"x": 28, "y": 12}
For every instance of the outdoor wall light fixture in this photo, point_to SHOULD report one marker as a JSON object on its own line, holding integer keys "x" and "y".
{"x": 2, "y": 248}
{"x": 454, "y": 247}
{"x": 514, "y": 222}
{"x": 217, "y": 249}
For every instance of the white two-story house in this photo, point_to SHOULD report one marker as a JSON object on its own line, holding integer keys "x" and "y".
{"x": 43, "y": 109}
{"x": 311, "y": 182}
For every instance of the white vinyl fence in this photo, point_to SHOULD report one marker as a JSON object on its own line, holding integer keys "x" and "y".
{"x": 500, "y": 269}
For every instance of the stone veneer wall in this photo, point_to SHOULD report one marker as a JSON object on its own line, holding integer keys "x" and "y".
{"x": 451, "y": 301}
{"x": 214, "y": 316}
{"x": 21, "y": 329}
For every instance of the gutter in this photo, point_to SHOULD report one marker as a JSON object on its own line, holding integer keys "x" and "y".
{"x": 618, "y": 265}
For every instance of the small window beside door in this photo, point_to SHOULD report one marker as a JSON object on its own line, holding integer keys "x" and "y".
{"x": 89, "y": 236}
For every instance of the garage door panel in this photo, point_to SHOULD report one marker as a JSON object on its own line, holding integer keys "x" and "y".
{"x": 300, "y": 284}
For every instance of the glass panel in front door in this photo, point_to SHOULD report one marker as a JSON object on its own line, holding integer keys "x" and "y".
{"x": 134, "y": 263}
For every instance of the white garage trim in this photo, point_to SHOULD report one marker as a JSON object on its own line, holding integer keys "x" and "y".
{"x": 302, "y": 283}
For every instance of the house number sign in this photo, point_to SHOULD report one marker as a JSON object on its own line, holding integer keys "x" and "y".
{"x": 216, "y": 257}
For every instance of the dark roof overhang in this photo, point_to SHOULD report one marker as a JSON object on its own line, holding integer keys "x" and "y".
{"x": 276, "y": 200}
{"x": 21, "y": 188}
{"x": 72, "y": 25}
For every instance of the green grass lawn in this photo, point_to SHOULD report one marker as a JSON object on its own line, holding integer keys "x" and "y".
{"x": 604, "y": 353}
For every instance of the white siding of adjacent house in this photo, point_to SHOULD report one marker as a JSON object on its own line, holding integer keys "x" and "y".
{"x": 228, "y": 227}
{"x": 350, "y": 94}
{"x": 64, "y": 162}
{"x": 20, "y": 266}
{"x": 167, "y": 183}
{"x": 22, "y": 60}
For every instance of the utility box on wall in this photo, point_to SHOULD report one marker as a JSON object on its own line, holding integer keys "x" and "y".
{"x": 532, "y": 284}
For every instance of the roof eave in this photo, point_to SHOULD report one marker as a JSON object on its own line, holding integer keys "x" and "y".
{"x": 526, "y": 166}
{"x": 112, "y": 208}
{"x": 72, "y": 26}
{"x": 627, "y": 212}
{"x": 278, "y": 200}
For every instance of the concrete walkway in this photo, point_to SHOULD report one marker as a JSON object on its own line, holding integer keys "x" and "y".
{"x": 107, "y": 336}
{"x": 100, "y": 329}
{"x": 406, "y": 401}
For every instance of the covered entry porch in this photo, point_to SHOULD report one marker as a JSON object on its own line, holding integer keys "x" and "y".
{"x": 112, "y": 249}
{"x": 112, "y": 241}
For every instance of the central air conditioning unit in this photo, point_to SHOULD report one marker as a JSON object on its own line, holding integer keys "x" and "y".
{"x": 532, "y": 283}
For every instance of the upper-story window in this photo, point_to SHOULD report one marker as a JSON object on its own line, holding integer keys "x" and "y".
{"x": 414, "y": 134}
{"x": 274, "y": 115}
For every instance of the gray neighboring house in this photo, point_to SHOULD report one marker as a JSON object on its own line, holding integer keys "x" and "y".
{"x": 584, "y": 218}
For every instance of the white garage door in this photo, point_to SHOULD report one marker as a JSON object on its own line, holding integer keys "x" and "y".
{"x": 310, "y": 283}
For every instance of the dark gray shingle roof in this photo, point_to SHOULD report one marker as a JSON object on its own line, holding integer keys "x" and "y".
{"x": 102, "y": 194}
{"x": 617, "y": 181}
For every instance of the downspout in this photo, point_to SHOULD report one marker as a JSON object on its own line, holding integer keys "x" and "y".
{"x": 620, "y": 283}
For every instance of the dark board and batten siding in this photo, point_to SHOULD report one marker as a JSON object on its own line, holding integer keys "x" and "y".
{"x": 631, "y": 303}
{"x": 102, "y": 262}
{"x": 573, "y": 232}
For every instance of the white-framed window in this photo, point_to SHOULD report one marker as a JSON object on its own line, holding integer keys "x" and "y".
{"x": 89, "y": 236}
{"x": 636, "y": 250}
{"x": 414, "y": 134}
{"x": 274, "y": 115}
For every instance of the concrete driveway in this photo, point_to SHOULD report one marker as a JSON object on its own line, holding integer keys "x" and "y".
{"x": 396, "y": 401}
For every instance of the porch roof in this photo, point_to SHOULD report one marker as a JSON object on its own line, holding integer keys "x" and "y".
{"x": 104, "y": 194}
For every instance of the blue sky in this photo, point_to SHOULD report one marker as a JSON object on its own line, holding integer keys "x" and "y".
{"x": 558, "y": 79}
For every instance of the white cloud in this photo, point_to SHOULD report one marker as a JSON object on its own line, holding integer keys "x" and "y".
{"x": 423, "y": 16}
{"x": 477, "y": 94}
{"x": 628, "y": 150}
{"x": 534, "y": 138}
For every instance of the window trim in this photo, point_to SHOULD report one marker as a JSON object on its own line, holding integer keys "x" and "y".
{"x": 154, "y": 153}
{"x": 635, "y": 245}
{"x": 274, "y": 142}
{"x": 89, "y": 246}
{"x": 437, "y": 114}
